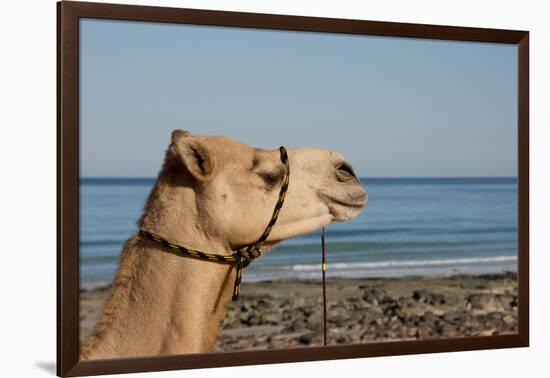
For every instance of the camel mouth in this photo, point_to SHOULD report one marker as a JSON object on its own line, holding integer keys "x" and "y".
{"x": 353, "y": 203}
{"x": 347, "y": 208}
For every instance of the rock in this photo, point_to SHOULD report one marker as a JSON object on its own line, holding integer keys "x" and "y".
{"x": 253, "y": 320}
{"x": 418, "y": 294}
{"x": 263, "y": 339}
{"x": 439, "y": 312}
{"x": 315, "y": 320}
{"x": 373, "y": 296}
{"x": 298, "y": 302}
{"x": 243, "y": 318}
{"x": 355, "y": 338}
{"x": 355, "y": 327}
{"x": 341, "y": 339}
{"x": 449, "y": 331}
{"x": 284, "y": 303}
{"x": 273, "y": 317}
{"x": 487, "y": 332}
{"x": 439, "y": 325}
{"x": 414, "y": 319}
{"x": 305, "y": 339}
{"x": 486, "y": 303}
{"x": 412, "y": 331}
{"x": 428, "y": 297}
{"x": 393, "y": 310}
{"x": 265, "y": 302}
{"x": 355, "y": 317}
{"x": 338, "y": 316}
{"x": 298, "y": 325}
{"x": 306, "y": 310}
{"x": 509, "y": 320}
{"x": 245, "y": 307}
{"x": 260, "y": 346}
{"x": 429, "y": 319}
{"x": 453, "y": 317}
{"x": 424, "y": 332}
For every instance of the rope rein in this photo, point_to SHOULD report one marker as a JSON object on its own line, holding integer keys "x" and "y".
{"x": 241, "y": 258}
{"x": 323, "y": 269}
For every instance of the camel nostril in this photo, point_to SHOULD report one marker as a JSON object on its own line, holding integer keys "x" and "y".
{"x": 344, "y": 172}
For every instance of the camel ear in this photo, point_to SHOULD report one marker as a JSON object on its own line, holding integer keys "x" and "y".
{"x": 197, "y": 157}
{"x": 178, "y": 134}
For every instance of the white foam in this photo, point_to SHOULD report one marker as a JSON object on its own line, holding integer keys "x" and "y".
{"x": 406, "y": 263}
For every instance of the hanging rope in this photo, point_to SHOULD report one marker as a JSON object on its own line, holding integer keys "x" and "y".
{"x": 323, "y": 269}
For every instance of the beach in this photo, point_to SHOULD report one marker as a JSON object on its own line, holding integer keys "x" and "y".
{"x": 289, "y": 313}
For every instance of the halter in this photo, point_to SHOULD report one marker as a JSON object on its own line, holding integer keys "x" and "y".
{"x": 241, "y": 257}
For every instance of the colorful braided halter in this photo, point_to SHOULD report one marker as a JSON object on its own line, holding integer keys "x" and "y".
{"x": 241, "y": 257}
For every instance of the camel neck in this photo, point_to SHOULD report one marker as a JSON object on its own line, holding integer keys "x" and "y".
{"x": 161, "y": 303}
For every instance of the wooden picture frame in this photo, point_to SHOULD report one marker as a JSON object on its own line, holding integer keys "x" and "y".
{"x": 69, "y": 13}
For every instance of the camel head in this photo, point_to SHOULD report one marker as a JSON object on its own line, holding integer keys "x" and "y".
{"x": 235, "y": 188}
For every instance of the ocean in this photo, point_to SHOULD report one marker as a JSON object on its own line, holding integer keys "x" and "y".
{"x": 410, "y": 226}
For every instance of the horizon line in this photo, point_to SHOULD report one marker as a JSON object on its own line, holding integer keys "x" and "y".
{"x": 362, "y": 177}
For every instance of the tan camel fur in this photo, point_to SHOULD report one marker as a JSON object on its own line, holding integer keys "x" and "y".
{"x": 213, "y": 194}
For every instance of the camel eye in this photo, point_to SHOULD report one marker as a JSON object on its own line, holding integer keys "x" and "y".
{"x": 271, "y": 179}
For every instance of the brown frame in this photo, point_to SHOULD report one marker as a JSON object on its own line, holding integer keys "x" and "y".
{"x": 68, "y": 14}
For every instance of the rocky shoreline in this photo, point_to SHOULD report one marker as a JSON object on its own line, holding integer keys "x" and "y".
{"x": 289, "y": 313}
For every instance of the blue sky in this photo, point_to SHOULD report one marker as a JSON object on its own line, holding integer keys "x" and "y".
{"x": 392, "y": 106}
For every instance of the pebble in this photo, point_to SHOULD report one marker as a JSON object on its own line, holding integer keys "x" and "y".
{"x": 476, "y": 308}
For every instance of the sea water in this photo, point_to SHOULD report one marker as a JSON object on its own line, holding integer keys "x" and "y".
{"x": 410, "y": 226}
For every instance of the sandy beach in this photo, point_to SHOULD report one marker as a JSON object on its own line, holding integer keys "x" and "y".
{"x": 289, "y": 313}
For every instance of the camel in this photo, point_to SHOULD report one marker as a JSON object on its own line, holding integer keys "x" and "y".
{"x": 214, "y": 194}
